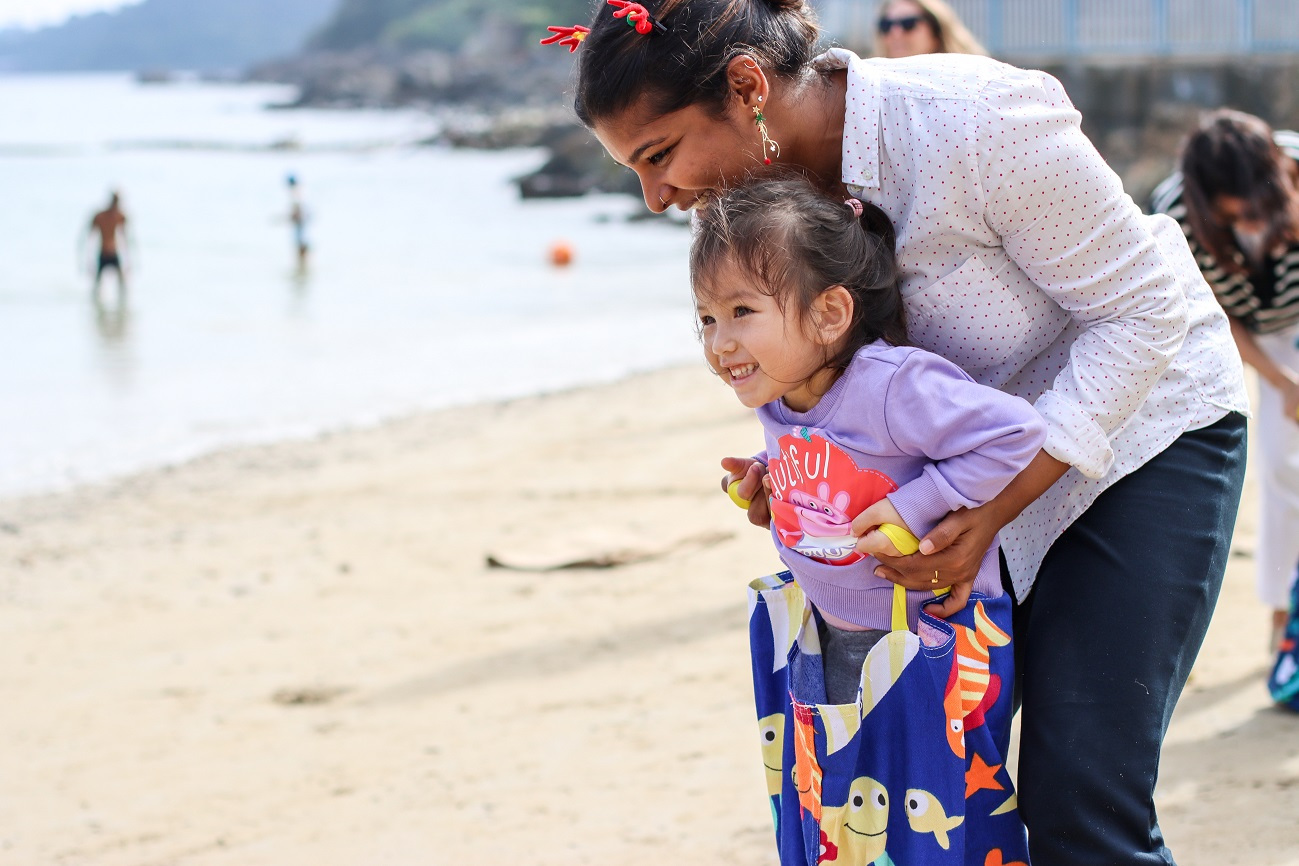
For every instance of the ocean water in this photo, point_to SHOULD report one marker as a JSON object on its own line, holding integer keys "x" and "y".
{"x": 429, "y": 283}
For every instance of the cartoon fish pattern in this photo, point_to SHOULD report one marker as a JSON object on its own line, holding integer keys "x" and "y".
{"x": 807, "y": 770}
{"x": 972, "y": 687}
{"x": 925, "y": 814}
{"x": 856, "y": 832}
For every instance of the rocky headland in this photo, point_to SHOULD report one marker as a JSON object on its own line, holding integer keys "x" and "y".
{"x": 495, "y": 92}
{"x": 498, "y": 91}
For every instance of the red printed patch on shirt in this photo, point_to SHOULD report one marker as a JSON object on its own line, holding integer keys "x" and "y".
{"x": 816, "y": 491}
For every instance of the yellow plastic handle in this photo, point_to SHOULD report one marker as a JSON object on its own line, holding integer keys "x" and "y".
{"x": 733, "y": 491}
{"x": 904, "y": 541}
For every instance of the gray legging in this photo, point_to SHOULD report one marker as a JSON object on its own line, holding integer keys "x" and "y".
{"x": 842, "y": 655}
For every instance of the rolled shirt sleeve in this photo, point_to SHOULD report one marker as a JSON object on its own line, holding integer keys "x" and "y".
{"x": 977, "y": 438}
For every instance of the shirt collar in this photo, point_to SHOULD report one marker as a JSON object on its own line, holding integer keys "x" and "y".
{"x": 861, "y": 123}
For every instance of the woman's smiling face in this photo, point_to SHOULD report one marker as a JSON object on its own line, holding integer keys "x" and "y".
{"x": 683, "y": 156}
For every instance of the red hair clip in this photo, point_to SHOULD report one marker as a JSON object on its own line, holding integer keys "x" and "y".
{"x": 637, "y": 16}
{"x": 570, "y": 36}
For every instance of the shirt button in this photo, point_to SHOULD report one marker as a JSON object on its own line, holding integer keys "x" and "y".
{"x": 867, "y": 174}
{"x": 854, "y": 188}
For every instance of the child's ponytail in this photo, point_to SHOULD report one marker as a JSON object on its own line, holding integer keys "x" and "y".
{"x": 881, "y": 308}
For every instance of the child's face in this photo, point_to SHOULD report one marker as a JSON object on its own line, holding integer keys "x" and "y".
{"x": 762, "y": 351}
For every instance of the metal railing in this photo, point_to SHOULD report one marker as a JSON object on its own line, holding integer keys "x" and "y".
{"x": 1069, "y": 28}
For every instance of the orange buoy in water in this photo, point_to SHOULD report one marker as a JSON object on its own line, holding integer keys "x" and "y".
{"x": 561, "y": 254}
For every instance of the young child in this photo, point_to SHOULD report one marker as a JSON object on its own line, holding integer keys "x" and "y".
{"x": 801, "y": 315}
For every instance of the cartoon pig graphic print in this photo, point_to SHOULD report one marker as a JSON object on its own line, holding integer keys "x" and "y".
{"x": 817, "y": 490}
{"x": 825, "y": 523}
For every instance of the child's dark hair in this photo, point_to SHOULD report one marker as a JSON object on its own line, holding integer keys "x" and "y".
{"x": 796, "y": 243}
{"x": 685, "y": 64}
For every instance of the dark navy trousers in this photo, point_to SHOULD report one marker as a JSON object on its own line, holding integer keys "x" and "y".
{"x": 1104, "y": 643}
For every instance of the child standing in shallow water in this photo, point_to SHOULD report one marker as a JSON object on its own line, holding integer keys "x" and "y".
{"x": 801, "y": 315}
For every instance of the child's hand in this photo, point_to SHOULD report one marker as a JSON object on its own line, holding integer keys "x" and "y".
{"x": 749, "y": 477}
{"x": 866, "y": 526}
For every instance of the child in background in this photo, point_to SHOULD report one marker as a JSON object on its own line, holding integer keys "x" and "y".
{"x": 801, "y": 315}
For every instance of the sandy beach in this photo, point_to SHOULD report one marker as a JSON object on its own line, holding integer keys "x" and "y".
{"x": 366, "y": 649}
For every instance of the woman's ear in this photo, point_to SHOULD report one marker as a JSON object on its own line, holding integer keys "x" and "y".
{"x": 747, "y": 82}
{"x": 832, "y": 314}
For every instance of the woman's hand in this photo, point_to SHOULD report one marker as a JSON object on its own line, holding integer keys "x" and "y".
{"x": 752, "y": 476}
{"x": 951, "y": 552}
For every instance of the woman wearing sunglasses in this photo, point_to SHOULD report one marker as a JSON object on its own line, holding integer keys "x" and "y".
{"x": 910, "y": 27}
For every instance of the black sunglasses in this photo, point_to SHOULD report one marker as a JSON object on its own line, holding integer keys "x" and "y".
{"x": 907, "y": 24}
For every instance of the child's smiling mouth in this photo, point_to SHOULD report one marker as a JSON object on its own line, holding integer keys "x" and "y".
{"x": 742, "y": 372}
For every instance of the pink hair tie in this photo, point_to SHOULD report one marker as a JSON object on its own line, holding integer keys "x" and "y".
{"x": 855, "y": 205}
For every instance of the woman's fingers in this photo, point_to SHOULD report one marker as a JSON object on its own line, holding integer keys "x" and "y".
{"x": 958, "y": 590}
{"x": 892, "y": 575}
{"x": 954, "y": 601}
{"x": 917, "y": 571}
{"x": 947, "y": 531}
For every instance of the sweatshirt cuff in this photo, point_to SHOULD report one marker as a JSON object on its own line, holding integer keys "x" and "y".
{"x": 1074, "y": 437}
{"x": 920, "y": 503}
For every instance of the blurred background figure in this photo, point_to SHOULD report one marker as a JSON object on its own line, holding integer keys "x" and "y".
{"x": 1237, "y": 198}
{"x": 298, "y": 219}
{"x": 909, "y": 27}
{"x": 110, "y": 225}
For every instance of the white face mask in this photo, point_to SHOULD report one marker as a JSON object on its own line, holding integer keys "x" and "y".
{"x": 1251, "y": 244}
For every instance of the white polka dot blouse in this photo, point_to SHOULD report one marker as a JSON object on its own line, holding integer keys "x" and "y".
{"x": 1025, "y": 263}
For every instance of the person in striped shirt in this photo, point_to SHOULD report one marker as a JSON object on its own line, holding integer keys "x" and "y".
{"x": 1237, "y": 199}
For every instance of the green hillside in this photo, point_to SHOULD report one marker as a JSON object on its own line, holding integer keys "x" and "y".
{"x": 443, "y": 24}
{"x": 206, "y": 35}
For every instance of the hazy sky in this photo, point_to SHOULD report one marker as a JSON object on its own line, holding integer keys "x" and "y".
{"x": 34, "y": 13}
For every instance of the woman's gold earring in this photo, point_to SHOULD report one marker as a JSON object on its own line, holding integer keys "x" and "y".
{"x": 769, "y": 145}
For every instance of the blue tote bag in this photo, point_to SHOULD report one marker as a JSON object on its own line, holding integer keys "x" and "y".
{"x": 914, "y": 771}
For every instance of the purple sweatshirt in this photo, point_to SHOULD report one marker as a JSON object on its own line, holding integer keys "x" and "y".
{"x": 902, "y": 423}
